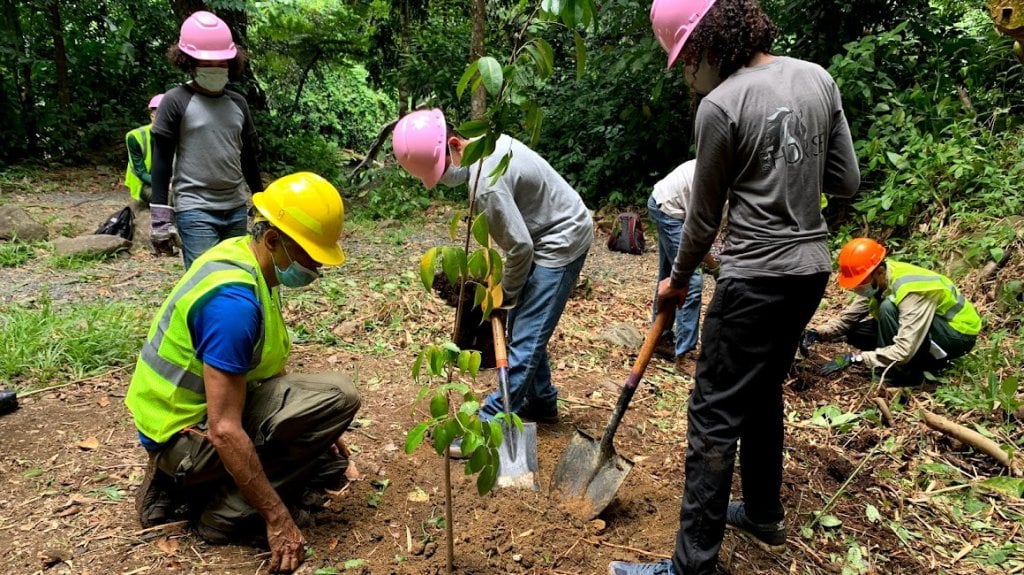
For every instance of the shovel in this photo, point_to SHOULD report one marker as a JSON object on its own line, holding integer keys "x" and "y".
{"x": 590, "y": 472}
{"x": 517, "y": 456}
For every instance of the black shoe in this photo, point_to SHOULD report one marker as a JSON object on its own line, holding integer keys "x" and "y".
{"x": 8, "y": 401}
{"x": 768, "y": 536}
{"x": 154, "y": 500}
{"x": 666, "y": 347}
{"x": 545, "y": 415}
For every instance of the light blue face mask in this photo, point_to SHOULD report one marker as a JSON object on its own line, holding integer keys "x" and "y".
{"x": 868, "y": 290}
{"x": 454, "y": 176}
{"x": 295, "y": 275}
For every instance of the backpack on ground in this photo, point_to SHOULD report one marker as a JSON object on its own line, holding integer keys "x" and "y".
{"x": 627, "y": 234}
{"x": 120, "y": 223}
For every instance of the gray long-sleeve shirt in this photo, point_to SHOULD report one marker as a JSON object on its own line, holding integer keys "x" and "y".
{"x": 532, "y": 212}
{"x": 770, "y": 140}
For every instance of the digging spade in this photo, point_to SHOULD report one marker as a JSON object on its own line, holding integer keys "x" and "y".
{"x": 590, "y": 472}
{"x": 517, "y": 456}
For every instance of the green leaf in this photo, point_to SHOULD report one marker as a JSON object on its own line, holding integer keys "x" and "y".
{"x": 477, "y": 461}
{"x": 496, "y": 436}
{"x": 478, "y": 297}
{"x": 436, "y": 357}
{"x": 469, "y": 407}
{"x": 439, "y": 405}
{"x": 450, "y": 346}
{"x": 467, "y": 76}
{"x": 354, "y": 564}
{"x": 326, "y": 571}
{"x": 477, "y": 265}
{"x": 427, "y": 264}
{"x": 481, "y": 232}
{"x": 463, "y": 362}
{"x": 543, "y": 57}
{"x": 807, "y": 533}
{"x": 474, "y": 362}
{"x": 897, "y": 160}
{"x": 415, "y": 437}
{"x": 453, "y": 262}
{"x": 474, "y": 128}
{"x": 1010, "y": 486}
{"x": 470, "y": 443}
{"x": 490, "y": 73}
{"x": 829, "y": 521}
{"x": 534, "y": 119}
{"x": 500, "y": 169}
{"x": 996, "y": 254}
{"x": 487, "y": 478}
{"x": 581, "y": 55}
{"x": 872, "y": 513}
{"x": 453, "y": 224}
{"x": 32, "y": 472}
{"x": 442, "y": 438}
{"x": 497, "y": 267}
{"x": 417, "y": 366}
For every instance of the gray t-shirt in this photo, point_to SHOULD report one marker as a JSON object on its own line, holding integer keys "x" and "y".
{"x": 770, "y": 140}
{"x": 532, "y": 212}
{"x": 210, "y": 132}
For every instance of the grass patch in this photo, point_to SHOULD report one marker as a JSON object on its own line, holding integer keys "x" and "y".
{"x": 45, "y": 345}
{"x": 78, "y": 262}
{"x": 14, "y": 254}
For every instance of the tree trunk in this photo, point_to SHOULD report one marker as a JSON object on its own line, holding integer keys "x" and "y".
{"x": 405, "y": 37}
{"x": 22, "y": 71}
{"x": 60, "y": 55}
{"x": 476, "y": 50}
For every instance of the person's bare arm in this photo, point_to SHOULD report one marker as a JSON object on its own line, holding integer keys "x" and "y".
{"x": 225, "y": 401}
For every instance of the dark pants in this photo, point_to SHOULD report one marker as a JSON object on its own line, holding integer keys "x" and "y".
{"x": 751, "y": 331}
{"x": 873, "y": 334}
{"x": 292, "y": 421}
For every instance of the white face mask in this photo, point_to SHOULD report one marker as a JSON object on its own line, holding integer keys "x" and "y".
{"x": 212, "y": 79}
{"x": 454, "y": 176}
{"x": 702, "y": 78}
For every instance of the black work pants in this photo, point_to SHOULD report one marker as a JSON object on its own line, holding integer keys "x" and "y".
{"x": 751, "y": 332}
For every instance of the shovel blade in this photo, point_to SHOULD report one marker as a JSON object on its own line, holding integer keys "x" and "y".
{"x": 585, "y": 479}
{"x": 517, "y": 457}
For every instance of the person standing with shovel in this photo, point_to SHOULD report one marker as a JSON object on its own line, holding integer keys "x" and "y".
{"x": 543, "y": 226}
{"x": 771, "y": 137}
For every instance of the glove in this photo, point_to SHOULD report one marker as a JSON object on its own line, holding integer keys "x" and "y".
{"x": 809, "y": 338}
{"x": 162, "y": 234}
{"x": 840, "y": 363}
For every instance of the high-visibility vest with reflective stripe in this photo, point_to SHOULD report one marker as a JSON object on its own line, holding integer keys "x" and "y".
{"x": 141, "y": 135}
{"x": 905, "y": 279}
{"x": 167, "y": 393}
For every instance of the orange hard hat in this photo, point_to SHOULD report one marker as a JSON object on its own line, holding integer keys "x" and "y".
{"x": 857, "y": 260}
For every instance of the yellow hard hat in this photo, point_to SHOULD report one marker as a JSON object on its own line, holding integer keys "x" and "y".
{"x": 309, "y": 210}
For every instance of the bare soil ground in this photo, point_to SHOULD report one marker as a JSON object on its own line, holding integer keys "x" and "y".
{"x": 70, "y": 461}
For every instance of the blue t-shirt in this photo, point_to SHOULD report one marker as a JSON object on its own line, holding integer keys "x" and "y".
{"x": 225, "y": 326}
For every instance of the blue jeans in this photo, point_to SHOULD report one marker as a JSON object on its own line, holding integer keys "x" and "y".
{"x": 687, "y": 323}
{"x": 530, "y": 325}
{"x": 200, "y": 230}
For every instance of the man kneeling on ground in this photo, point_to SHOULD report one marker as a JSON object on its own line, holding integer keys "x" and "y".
{"x": 226, "y": 429}
{"x": 904, "y": 316}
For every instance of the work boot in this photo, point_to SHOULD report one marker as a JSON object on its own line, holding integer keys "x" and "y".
{"x": 154, "y": 500}
{"x": 666, "y": 347}
{"x": 541, "y": 414}
{"x": 8, "y": 401}
{"x": 663, "y": 567}
{"x": 768, "y": 536}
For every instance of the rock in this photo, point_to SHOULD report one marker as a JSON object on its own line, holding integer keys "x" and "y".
{"x": 622, "y": 335}
{"x": 16, "y": 223}
{"x": 90, "y": 245}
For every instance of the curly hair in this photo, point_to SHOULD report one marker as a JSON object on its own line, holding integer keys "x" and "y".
{"x": 729, "y": 36}
{"x": 188, "y": 64}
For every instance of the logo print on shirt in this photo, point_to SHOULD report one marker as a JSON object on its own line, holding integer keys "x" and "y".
{"x": 784, "y": 138}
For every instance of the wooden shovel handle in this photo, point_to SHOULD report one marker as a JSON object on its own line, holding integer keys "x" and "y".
{"x": 500, "y": 351}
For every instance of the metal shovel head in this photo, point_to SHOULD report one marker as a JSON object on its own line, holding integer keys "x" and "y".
{"x": 586, "y": 480}
{"x": 517, "y": 457}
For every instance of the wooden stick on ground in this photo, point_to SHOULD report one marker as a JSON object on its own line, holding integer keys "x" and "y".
{"x": 968, "y": 436}
{"x": 883, "y": 409}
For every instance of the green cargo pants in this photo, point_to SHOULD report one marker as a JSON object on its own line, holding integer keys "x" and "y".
{"x": 292, "y": 421}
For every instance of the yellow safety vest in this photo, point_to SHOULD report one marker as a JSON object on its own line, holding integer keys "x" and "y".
{"x": 905, "y": 279}
{"x": 167, "y": 393}
{"x": 143, "y": 136}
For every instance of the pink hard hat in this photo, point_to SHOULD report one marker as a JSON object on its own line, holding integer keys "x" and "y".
{"x": 204, "y": 36}
{"x": 419, "y": 144}
{"x": 154, "y": 102}
{"x": 674, "y": 20}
